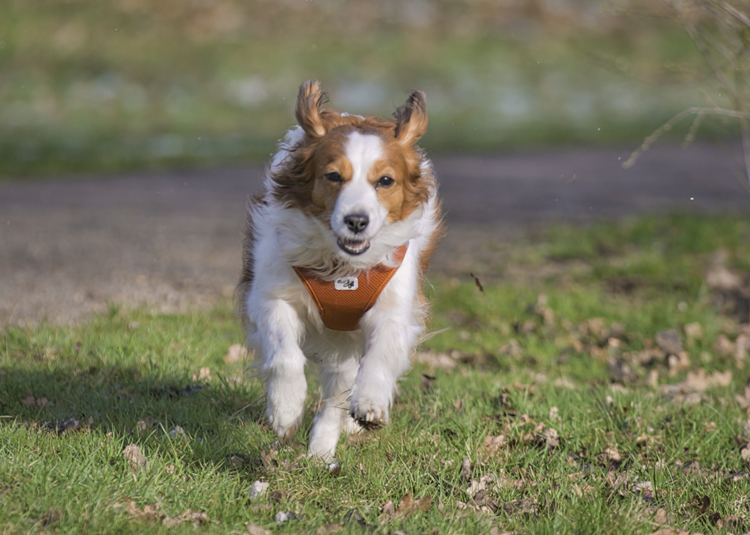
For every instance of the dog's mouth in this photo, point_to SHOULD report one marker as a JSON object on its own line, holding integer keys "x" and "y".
{"x": 353, "y": 247}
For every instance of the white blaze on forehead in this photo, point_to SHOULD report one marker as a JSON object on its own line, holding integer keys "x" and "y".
{"x": 358, "y": 196}
{"x": 363, "y": 151}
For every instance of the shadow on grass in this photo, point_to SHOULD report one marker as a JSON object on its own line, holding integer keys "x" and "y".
{"x": 219, "y": 421}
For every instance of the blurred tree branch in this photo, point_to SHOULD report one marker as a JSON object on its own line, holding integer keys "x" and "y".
{"x": 721, "y": 33}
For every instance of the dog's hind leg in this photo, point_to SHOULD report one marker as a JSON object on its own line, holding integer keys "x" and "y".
{"x": 336, "y": 379}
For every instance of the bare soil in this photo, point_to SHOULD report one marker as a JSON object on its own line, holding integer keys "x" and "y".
{"x": 171, "y": 241}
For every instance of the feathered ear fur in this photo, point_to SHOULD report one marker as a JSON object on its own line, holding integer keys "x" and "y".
{"x": 307, "y": 110}
{"x": 411, "y": 119}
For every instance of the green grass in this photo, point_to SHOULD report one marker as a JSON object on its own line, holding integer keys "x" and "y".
{"x": 117, "y": 85}
{"x": 519, "y": 372}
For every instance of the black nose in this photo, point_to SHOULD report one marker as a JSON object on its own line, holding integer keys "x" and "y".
{"x": 356, "y": 222}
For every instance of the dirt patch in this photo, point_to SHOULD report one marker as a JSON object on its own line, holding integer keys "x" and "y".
{"x": 172, "y": 241}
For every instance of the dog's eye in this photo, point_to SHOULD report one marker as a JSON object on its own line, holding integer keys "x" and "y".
{"x": 333, "y": 177}
{"x": 385, "y": 182}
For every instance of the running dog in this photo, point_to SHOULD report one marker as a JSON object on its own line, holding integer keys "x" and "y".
{"x": 334, "y": 255}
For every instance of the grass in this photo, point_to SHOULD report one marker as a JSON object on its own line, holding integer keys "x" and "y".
{"x": 547, "y": 406}
{"x": 116, "y": 85}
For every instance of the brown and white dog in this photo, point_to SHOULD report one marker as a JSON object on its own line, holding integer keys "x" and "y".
{"x": 334, "y": 254}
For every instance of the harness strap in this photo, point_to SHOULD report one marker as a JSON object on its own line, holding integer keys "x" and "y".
{"x": 342, "y": 302}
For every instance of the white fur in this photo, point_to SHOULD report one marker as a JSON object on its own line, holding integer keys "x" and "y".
{"x": 294, "y": 136}
{"x": 359, "y": 196}
{"x": 359, "y": 369}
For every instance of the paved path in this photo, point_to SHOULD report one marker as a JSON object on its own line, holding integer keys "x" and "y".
{"x": 171, "y": 241}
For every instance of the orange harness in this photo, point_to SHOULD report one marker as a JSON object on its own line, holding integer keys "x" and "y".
{"x": 342, "y": 302}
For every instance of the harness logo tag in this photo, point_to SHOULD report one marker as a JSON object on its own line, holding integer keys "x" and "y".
{"x": 346, "y": 283}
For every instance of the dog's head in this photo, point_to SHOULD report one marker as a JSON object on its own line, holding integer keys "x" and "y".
{"x": 358, "y": 175}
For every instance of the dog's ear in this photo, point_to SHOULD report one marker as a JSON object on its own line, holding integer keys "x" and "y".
{"x": 307, "y": 110}
{"x": 411, "y": 119}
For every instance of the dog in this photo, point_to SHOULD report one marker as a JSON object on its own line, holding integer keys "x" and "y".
{"x": 333, "y": 259}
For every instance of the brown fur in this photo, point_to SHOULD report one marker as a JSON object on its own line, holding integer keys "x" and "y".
{"x": 411, "y": 119}
{"x": 248, "y": 262}
{"x": 302, "y": 184}
{"x": 435, "y": 239}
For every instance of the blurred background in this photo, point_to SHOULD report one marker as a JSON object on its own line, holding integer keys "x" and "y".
{"x": 133, "y": 84}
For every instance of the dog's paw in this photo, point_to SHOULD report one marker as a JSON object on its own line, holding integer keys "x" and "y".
{"x": 285, "y": 427}
{"x": 285, "y": 419}
{"x": 286, "y": 404}
{"x": 369, "y": 415}
{"x": 349, "y": 425}
{"x": 321, "y": 450}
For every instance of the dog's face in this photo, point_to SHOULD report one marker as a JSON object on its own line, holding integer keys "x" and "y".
{"x": 359, "y": 181}
{"x": 358, "y": 174}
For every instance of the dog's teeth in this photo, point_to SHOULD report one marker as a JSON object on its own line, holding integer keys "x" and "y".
{"x": 354, "y": 247}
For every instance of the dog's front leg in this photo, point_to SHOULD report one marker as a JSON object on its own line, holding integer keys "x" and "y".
{"x": 336, "y": 378}
{"x": 386, "y": 359}
{"x": 283, "y": 366}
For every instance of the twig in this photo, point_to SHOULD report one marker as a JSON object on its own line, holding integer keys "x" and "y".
{"x": 666, "y": 127}
{"x": 702, "y": 46}
{"x": 727, "y": 39}
{"x": 477, "y": 282}
{"x": 735, "y": 13}
{"x": 690, "y": 137}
